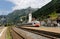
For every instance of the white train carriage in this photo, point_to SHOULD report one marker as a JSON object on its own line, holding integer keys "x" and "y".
{"x": 36, "y": 23}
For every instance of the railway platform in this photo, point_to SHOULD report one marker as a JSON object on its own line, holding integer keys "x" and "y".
{"x": 49, "y": 29}
{"x": 0, "y": 29}
{"x": 3, "y": 32}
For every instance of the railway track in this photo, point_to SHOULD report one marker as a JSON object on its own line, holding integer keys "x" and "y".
{"x": 16, "y": 35}
{"x": 50, "y": 35}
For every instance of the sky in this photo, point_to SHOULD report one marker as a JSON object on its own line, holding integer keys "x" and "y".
{"x": 8, "y": 6}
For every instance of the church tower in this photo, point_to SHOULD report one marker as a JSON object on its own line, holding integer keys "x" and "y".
{"x": 30, "y": 18}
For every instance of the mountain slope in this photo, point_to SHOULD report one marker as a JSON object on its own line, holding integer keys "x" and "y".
{"x": 15, "y": 16}
{"x": 52, "y": 6}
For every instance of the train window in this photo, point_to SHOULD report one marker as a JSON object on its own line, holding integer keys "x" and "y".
{"x": 34, "y": 23}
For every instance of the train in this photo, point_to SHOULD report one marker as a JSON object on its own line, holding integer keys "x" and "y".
{"x": 36, "y": 23}
{"x": 31, "y": 24}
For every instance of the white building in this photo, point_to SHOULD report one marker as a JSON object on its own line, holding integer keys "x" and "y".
{"x": 30, "y": 18}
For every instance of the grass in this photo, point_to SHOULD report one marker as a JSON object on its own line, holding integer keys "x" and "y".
{"x": 8, "y": 36}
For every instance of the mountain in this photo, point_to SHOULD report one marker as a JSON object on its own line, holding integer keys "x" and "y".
{"x": 16, "y": 15}
{"x": 53, "y": 6}
{"x": 2, "y": 19}
{"x": 2, "y": 16}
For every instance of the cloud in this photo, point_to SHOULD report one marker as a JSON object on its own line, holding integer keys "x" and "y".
{"x": 20, "y": 4}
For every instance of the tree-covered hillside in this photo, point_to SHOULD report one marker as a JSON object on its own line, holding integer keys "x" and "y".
{"x": 16, "y": 15}
{"x": 43, "y": 12}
